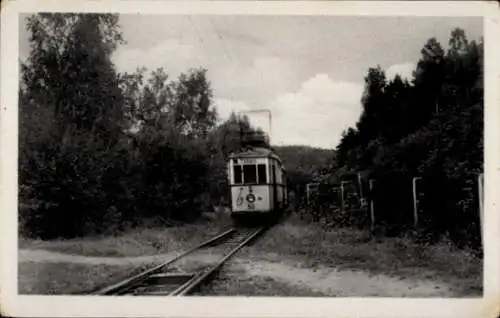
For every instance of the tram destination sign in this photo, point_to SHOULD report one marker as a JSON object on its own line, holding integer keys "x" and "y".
{"x": 251, "y": 161}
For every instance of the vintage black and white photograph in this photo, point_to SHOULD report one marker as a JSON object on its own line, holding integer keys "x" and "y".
{"x": 164, "y": 154}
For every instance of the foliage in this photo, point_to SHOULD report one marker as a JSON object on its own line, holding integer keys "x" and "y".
{"x": 303, "y": 165}
{"x": 101, "y": 150}
{"x": 70, "y": 121}
{"x": 431, "y": 127}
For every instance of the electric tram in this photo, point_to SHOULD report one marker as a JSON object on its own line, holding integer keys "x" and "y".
{"x": 257, "y": 181}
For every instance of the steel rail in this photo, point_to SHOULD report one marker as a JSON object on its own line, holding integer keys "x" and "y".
{"x": 202, "y": 277}
{"x": 128, "y": 283}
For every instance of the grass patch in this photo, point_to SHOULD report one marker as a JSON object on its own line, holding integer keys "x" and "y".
{"x": 311, "y": 245}
{"x": 68, "y": 278}
{"x": 305, "y": 245}
{"x": 136, "y": 242}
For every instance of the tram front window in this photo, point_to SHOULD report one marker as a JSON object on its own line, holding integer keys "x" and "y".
{"x": 261, "y": 170}
{"x": 250, "y": 174}
{"x": 237, "y": 174}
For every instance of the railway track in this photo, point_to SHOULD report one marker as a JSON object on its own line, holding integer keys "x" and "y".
{"x": 180, "y": 276}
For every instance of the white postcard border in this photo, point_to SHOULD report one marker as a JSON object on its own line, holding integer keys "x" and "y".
{"x": 87, "y": 306}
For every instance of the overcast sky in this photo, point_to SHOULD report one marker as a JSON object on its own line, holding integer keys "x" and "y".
{"x": 307, "y": 70}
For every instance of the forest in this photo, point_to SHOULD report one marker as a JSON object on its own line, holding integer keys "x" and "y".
{"x": 102, "y": 151}
{"x": 429, "y": 127}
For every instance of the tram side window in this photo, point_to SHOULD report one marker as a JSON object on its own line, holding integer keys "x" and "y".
{"x": 279, "y": 175}
{"x": 237, "y": 174}
{"x": 250, "y": 174}
{"x": 261, "y": 172}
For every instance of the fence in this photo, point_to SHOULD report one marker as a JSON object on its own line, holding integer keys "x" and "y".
{"x": 343, "y": 203}
{"x": 436, "y": 205}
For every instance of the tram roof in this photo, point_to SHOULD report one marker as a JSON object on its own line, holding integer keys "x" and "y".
{"x": 255, "y": 152}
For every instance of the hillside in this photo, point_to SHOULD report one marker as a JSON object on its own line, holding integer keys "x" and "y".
{"x": 302, "y": 163}
{"x": 304, "y": 157}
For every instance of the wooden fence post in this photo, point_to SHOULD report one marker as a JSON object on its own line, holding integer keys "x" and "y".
{"x": 307, "y": 195}
{"x": 372, "y": 211}
{"x": 360, "y": 185}
{"x": 361, "y": 197}
{"x": 342, "y": 195}
{"x": 415, "y": 201}
{"x": 481, "y": 204}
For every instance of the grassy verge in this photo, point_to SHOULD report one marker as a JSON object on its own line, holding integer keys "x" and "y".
{"x": 303, "y": 245}
{"x": 68, "y": 278}
{"x": 75, "y": 277}
{"x": 312, "y": 246}
{"x": 136, "y": 242}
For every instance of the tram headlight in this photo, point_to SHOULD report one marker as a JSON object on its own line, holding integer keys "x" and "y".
{"x": 251, "y": 198}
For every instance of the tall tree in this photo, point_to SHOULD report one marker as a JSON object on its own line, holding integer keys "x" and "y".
{"x": 70, "y": 80}
{"x": 432, "y": 128}
{"x": 372, "y": 100}
{"x": 193, "y": 109}
{"x": 69, "y": 71}
{"x": 429, "y": 78}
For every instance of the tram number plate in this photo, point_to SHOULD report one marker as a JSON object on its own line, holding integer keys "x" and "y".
{"x": 251, "y": 206}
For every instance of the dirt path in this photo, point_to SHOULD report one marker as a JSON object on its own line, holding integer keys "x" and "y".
{"x": 323, "y": 280}
{"x": 344, "y": 283}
